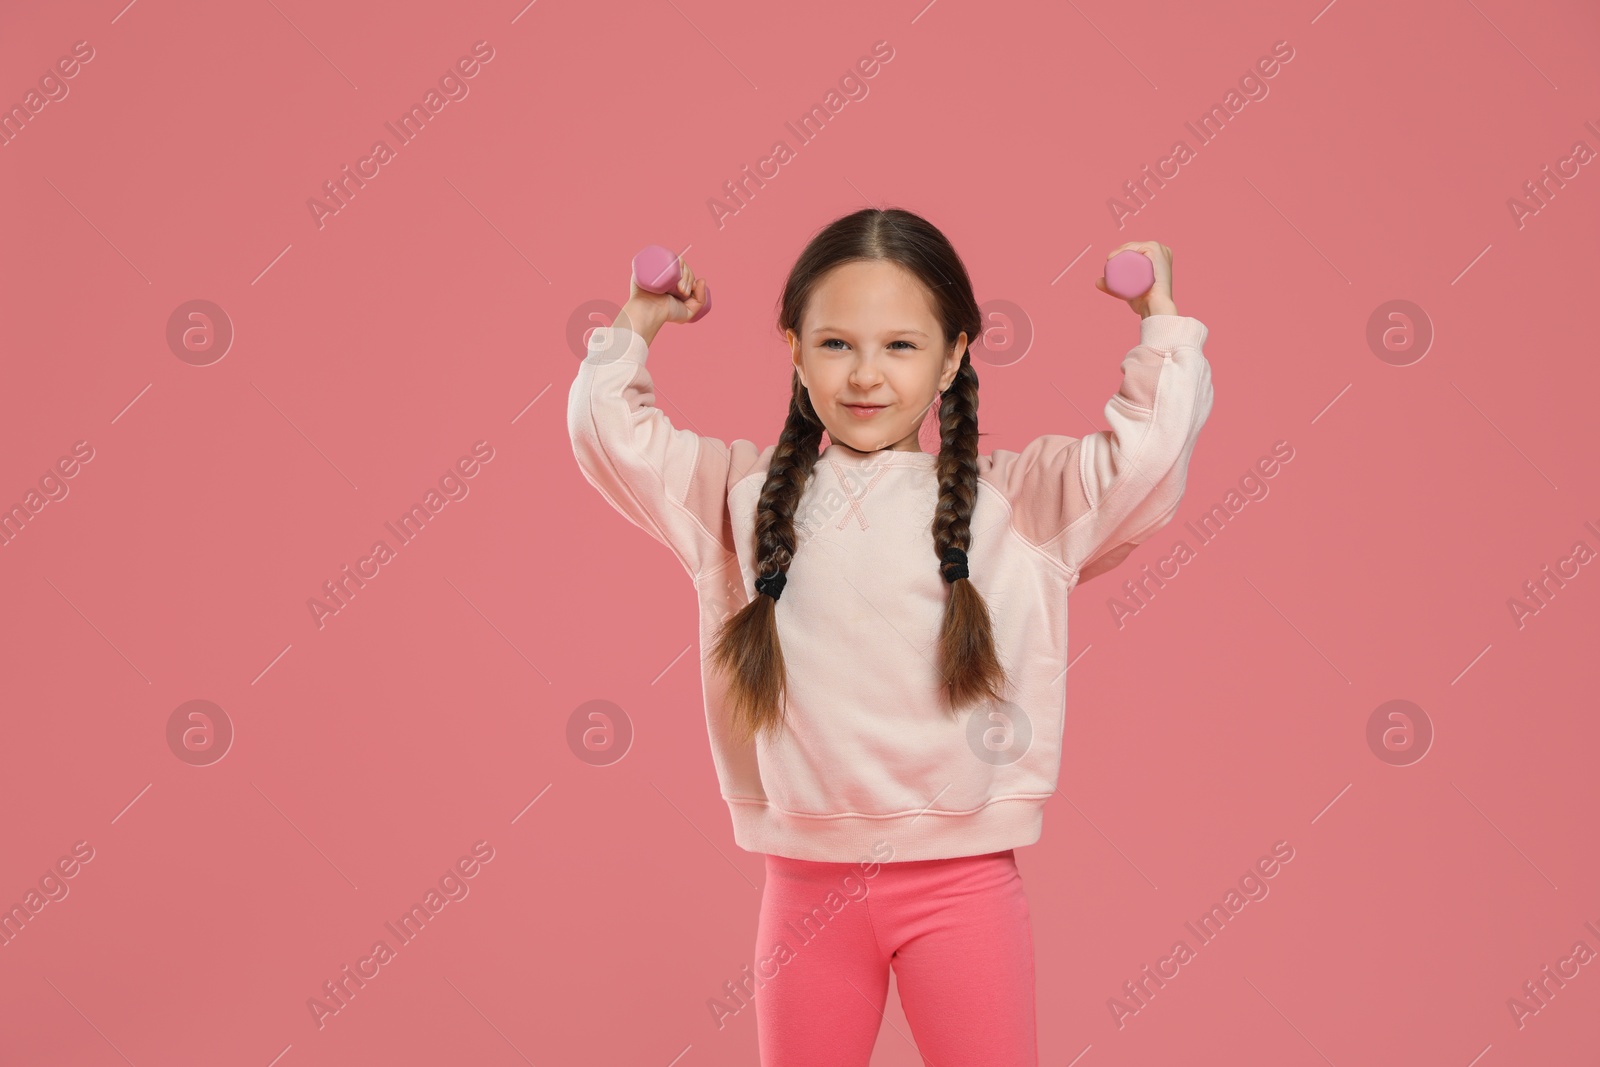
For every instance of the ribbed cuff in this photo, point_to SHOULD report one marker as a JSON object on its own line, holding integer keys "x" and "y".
{"x": 1172, "y": 331}
{"x": 612, "y": 344}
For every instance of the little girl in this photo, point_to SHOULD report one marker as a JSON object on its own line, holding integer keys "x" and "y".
{"x": 884, "y": 630}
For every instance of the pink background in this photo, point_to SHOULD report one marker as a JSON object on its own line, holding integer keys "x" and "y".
{"x": 439, "y": 308}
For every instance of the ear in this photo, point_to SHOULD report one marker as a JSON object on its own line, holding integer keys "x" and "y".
{"x": 794, "y": 353}
{"x": 952, "y": 362}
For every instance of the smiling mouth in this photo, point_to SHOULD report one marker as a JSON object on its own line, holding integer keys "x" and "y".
{"x": 865, "y": 411}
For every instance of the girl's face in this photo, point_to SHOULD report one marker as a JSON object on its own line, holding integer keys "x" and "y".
{"x": 869, "y": 338}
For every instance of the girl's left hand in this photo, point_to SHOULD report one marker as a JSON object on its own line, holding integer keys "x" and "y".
{"x": 1158, "y": 299}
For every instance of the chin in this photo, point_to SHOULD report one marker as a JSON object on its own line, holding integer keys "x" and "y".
{"x": 866, "y": 444}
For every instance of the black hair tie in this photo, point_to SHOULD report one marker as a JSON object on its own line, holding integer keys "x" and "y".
{"x": 958, "y": 561}
{"x": 773, "y": 586}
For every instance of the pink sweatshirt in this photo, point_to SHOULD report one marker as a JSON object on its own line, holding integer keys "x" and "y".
{"x": 870, "y": 754}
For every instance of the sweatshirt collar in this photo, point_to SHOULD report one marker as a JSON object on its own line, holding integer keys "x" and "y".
{"x": 883, "y": 457}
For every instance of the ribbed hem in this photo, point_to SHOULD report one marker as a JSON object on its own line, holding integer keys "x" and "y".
{"x": 913, "y": 835}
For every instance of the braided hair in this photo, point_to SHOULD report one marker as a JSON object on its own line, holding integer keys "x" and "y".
{"x": 746, "y": 647}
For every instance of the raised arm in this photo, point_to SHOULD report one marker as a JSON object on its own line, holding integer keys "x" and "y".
{"x": 671, "y": 483}
{"x": 1089, "y": 501}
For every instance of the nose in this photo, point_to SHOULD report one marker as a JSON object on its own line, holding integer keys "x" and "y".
{"x": 865, "y": 373}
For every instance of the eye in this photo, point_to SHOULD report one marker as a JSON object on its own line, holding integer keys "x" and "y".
{"x": 831, "y": 340}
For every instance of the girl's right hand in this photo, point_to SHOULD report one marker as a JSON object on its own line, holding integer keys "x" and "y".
{"x": 646, "y": 312}
{"x": 678, "y": 305}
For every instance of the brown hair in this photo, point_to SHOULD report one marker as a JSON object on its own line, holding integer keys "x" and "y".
{"x": 746, "y": 647}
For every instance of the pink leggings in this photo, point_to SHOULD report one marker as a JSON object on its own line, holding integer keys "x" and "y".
{"x": 956, "y": 932}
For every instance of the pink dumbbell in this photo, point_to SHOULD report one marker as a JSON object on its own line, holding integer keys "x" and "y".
{"x": 1130, "y": 274}
{"x": 658, "y": 271}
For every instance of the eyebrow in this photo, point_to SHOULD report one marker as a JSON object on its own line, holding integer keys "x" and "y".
{"x": 891, "y": 333}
